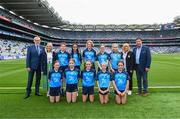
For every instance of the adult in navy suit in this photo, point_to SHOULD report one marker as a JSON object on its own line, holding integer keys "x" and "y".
{"x": 33, "y": 65}
{"x": 142, "y": 56}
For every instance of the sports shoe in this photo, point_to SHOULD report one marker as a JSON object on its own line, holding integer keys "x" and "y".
{"x": 129, "y": 92}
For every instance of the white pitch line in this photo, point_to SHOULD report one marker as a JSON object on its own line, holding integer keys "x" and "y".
{"x": 152, "y": 87}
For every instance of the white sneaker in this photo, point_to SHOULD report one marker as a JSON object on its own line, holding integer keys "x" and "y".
{"x": 48, "y": 94}
{"x": 129, "y": 92}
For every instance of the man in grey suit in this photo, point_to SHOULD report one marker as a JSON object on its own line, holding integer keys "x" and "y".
{"x": 142, "y": 56}
{"x": 33, "y": 65}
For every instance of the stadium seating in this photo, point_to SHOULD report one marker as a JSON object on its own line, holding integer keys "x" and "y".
{"x": 15, "y": 49}
{"x": 12, "y": 27}
{"x": 12, "y": 49}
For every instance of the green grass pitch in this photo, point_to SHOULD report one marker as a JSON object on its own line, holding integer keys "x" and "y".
{"x": 161, "y": 103}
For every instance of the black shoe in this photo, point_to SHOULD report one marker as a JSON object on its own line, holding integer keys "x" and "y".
{"x": 38, "y": 94}
{"x": 27, "y": 96}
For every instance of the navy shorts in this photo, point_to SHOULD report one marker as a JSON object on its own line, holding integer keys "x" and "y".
{"x": 54, "y": 91}
{"x": 103, "y": 89}
{"x": 88, "y": 90}
{"x": 115, "y": 92}
{"x": 71, "y": 88}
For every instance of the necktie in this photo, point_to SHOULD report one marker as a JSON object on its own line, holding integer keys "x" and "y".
{"x": 37, "y": 48}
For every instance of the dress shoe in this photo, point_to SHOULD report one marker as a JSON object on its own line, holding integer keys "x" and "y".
{"x": 27, "y": 96}
{"x": 145, "y": 94}
{"x": 38, "y": 94}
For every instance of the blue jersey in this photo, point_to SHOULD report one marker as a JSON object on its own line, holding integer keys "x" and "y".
{"x": 71, "y": 76}
{"x": 77, "y": 59}
{"x": 104, "y": 79}
{"x": 89, "y": 55}
{"x": 120, "y": 79}
{"x": 55, "y": 78}
{"x": 102, "y": 58}
{"x": 88, "y": 77}
{"x": 114, "y": 58}
{"x": 63, "y": 58}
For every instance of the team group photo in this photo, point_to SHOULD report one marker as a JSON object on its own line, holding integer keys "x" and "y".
{"x": 62, "y": 70}
{"x": 90, "y": 59}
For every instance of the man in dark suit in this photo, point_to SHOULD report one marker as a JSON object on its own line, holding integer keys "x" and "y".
{"x": 142, "y": 56}
{"x": 33, "y": 65}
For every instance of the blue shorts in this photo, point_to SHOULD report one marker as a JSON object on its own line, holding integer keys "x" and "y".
{"x": 54, "y": 91}
{"x": 88, "y": 90}
{"x": 71, "y": 88}
{"x": 103, "y": 89}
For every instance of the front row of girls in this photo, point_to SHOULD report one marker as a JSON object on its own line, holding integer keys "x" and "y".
{"x": 119, "y": 79}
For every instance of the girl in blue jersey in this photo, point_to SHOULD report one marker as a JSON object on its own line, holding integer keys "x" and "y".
{"x": 76, "y": 55}
{"x": 71, "y": 75}
{"x": 120, "y": 83}
{"x": 115, "y": 56}
{"x": 89, "y": 53}
{"x": 103, "y": 82}
{"x": 63, "y": 58}
{"x": 88, "y": 77}
{"x": 102, "y": 57}
{"x": 55, "y": 82}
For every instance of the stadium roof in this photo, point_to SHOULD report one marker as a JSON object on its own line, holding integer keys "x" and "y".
{"x": 110, "y": 27}
{"x": 177, "y": 21}
{"x": 40, "y": 12}
{"x": 37, "y": 11}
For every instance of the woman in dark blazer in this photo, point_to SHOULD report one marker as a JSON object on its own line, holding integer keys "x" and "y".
{"x": 128, "y": 59}
{"x": 48, "y": 59}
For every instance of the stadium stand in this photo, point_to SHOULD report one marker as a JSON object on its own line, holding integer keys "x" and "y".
{"x": 17, "y": 31}
{"x": 12, "y": 49}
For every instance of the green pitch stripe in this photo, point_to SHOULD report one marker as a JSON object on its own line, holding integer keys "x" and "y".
{"x": 152, "y": 87}
{"x": 168, "y": 63}
{"x": 11, "y": 72}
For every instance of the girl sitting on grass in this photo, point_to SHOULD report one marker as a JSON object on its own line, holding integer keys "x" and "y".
{"x": 120, "y": 83}
{"x": 71, "y": 77}
{"x": 55, "y": 82}
{"x": 103, "y": 82}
